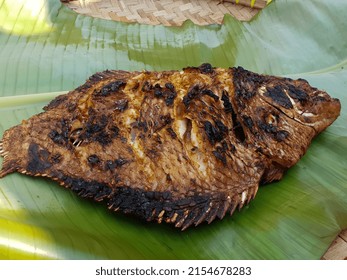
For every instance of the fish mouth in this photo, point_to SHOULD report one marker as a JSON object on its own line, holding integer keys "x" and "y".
{"x": 321, "y": 114}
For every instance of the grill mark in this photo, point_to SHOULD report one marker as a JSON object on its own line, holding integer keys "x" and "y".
{"x": 236, "y": 125}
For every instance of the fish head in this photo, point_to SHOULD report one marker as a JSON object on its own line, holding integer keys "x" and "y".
{"x": 281, "y": 116}
{"x": 302, "y": 102}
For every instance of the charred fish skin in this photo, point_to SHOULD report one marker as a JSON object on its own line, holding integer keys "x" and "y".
{"x": 181, "y": 147}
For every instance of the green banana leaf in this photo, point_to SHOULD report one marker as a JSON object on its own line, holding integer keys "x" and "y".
{"x": 46, "y": 48}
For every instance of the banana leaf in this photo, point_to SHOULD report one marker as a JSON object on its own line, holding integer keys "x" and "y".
{"x": 47, "y": 48}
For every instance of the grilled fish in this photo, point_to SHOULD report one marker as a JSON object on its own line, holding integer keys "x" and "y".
{"x": 183, "y": 147}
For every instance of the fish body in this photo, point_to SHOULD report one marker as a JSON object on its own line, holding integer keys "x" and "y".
{"x": 182, "y": 147}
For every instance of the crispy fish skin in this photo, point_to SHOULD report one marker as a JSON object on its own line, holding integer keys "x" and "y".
{"x": 180, "y": 147}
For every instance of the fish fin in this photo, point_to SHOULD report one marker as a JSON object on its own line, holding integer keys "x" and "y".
{"x": 8, "y": 166}
{"x": 110, "y": 74}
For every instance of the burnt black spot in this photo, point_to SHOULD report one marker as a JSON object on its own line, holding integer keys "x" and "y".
{"x": 239, "y": 132}
{"x": 141, "y": 125}
{"x": 149, "y": 194}
{"x": 268, "y": 128}
{"x": 210, "y": 93}
{"x": 95, "y": 127}
{"x": 152, "y": 153}
{"x": 278, "y": 135}
{"x": 170, "y": 97}
{"x": 167, "y": 195}
{"x": 187, "y": 134}
{"x": 114, "y": 131}
{"x": 220, "y": 156}
{"x": 95, "y": 123}
{"x": 56, "y": 102}
{"x": 297, "y": 93}
{"x": 210, "y": 131}
{"x": 149, "y": 204}
{"x": 215, "y": 133}
{"x": 168, "y": 93}
{"x": 166, "y": 119}
{"x": 192, "y": 94}
{"x": 158, "y": 92}
{"x": 171, "y": 132}
{"x": 109, "y": 165}
{"x": 120, "y": 161}
{"x": 93, "y": 160}
{"x": 163, "y": 121}
{"x": 168, "y": 179}
{"x": 56, "y": 137}
{"x": 225, "y": 146}
{"x": 121, "y": 105}
{"x": 71, "y": 106}
{"x": 113, "y": 164}
{"x": 221, "y": 127}
{"x": 319, "y": 98}
{"x": 206, "y": 68}
{"x": 112, "y": 87}
{"x": 248, "y": 121}
{"x": 194, "y": 149}
{"x": 281, "y": 135}
{"x": 134, "y": 201}
{"x": 184, "y": 202}
{"x": 228, "y": 108}
{"x": 157, "y": 195}
{"x": 158, "y": 139}
{"x": 60, "y": 135}
{"x": 103, "y": 137}
{"x": 88, "y": 189}
{"x": 99, "y": 129}
{"x": 38, "y": 159}
{"x": 303, "y": 80}
{"x": 170, "y": 86}
{"x": 56, "y": 158}
{"x": 237, "y": 127}
{"x": 196, "y": 92}
{"x": 278, "y": 95}
{"x": 147, "y": 86}
{"x": 245, "y": 84}
{"x": 97, "y": 76}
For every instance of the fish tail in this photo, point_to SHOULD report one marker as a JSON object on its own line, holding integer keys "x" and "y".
{"x": 8, "y": 166}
